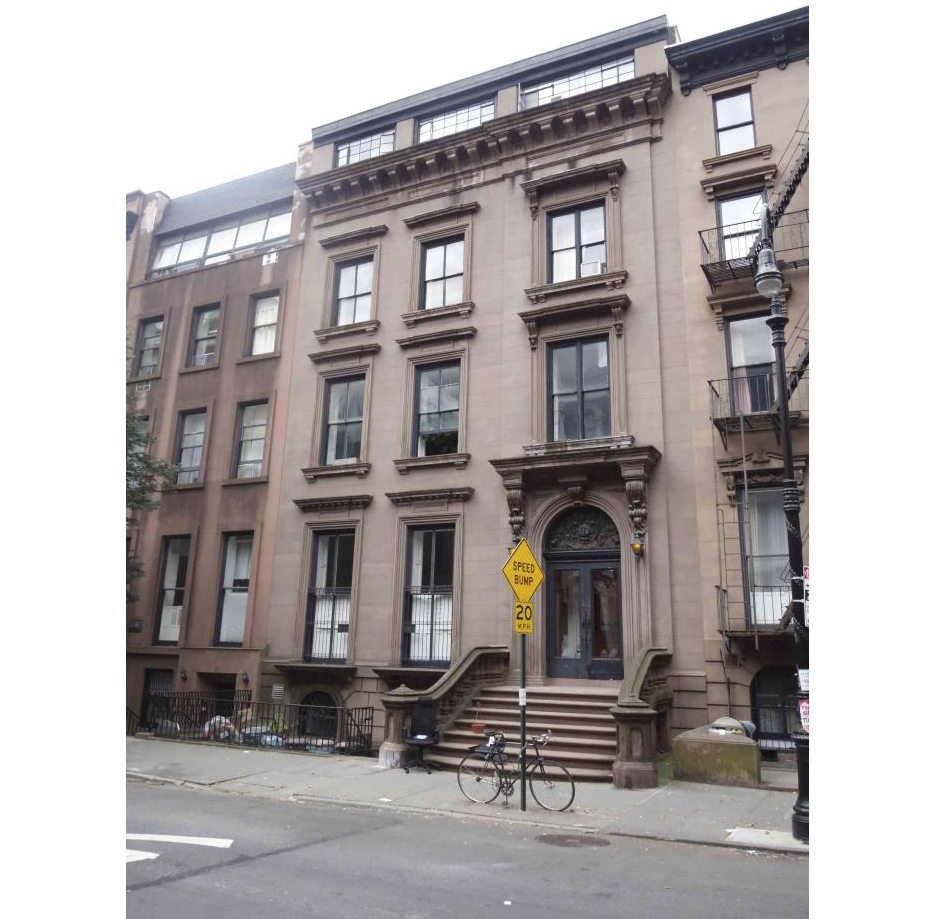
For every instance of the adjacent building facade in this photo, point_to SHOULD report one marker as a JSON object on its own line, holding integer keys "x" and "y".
{"x": 516, "y": 305}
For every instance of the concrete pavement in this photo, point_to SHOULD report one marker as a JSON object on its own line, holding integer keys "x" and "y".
{"x": 680, "y": 811}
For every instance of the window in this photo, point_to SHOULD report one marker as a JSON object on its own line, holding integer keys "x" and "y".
{"x": 252, "y": 422}
{"x": 427, "y": 627}
{"x": 579, "y": 390}
{"x": 328, "y": 612}
{"x": 750, "y": 359}
{"x": 172, "y": 590}
{"x": 263, "y": 321}
{"x": 437, "y": 395}
{"x": 766, "y": 558}
{"x": 582, "y": 82}
{"x": 151, "y": 332}
{"x": 577, "y": 243}
{"x": 457, "y": 120}
{"x": 204, "y": 336}
{"x": 215, "y": 244}
{"x": 191, "y": 439}
{"x": 353, "y": 291}
{"x": 734, "y": 122}
{"x": 443, "y": 273}
{"x": 344, "y": 418}
{"x": 235, "y": 583}
{"x": 364, "y": 148}
{"x": 738, "y": 225}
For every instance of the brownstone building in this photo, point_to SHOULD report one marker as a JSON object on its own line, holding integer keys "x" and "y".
{"x": 516, "y": 305}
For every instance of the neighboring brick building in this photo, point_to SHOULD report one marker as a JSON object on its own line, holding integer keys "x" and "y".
{"x": 493, "y": 322}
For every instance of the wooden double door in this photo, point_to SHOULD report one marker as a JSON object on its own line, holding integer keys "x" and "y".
{"x": 583, "y": 617}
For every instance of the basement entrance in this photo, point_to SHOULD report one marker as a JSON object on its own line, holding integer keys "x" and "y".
{"x": 583, "y": 597}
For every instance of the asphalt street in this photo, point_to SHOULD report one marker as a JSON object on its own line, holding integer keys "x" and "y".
{"x": 322, "y": 860}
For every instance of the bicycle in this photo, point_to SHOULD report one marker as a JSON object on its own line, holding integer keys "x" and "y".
{"x": 482, "y": 776}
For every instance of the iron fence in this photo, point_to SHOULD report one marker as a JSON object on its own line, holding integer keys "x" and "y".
{"x": 776, "y": 722}
{"x": 240, "y": 721}
{"x": 133, "y": 722}
{"x": 728, "y": 252}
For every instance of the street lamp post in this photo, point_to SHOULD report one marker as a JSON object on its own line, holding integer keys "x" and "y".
{"x": 769, "y": 281}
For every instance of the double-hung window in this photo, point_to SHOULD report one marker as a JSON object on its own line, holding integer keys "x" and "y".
{"x": 766, "y": 557}
{"x": 577, "y": 243}
{"x": 427, "y": 626}
{"x": 344, "y": 419}
{"x": 750, "y": 358}
{"x": 579, "y": 390}
{"x": 263, "y": 320}
{"x": 204, "y": 336}
{"x": 172, "y": 589}
{"x": 251, "y": 437}
{"x": 191, "y": 441}
{"x": 443, "y": 273}
{"x": 437, "y": 397}
{"x": 328, "y": 612}
{"x": 734, "y": 122}
{"x": 235, "y": 584}
{"x": 151, "y": 334}
{"x": 353, "y": 291}
{"x": 739, "y": 225}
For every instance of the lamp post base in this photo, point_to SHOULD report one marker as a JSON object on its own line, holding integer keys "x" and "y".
{"x": 801, "y": 807}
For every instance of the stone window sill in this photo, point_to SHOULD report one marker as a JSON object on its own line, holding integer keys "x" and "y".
{"x": 257, "y": 479}
{"x": 312, "y": 473}
{"x": 763, "y": 151}
{"x": 456, "y": 460}
{"x": 611, "y": 442}
{"x": 253, "y": 358}
{"x": 139, "y": 379}
{"x": 461, "y": 310}
{"x": 610, "y": 280}
{"x": 201, "y": 369}
{"x": 188, "y": 486}
{"x": 369, "y": 327}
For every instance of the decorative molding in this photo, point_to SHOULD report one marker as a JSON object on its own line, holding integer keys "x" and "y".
{"x": 338, "y": 354}
{"x": 432, "y": 338}
{"x": 313, "y": 473}
{"x": 516, "y": 510}
{"x": 738, "y": 82}
{"x": 725, "y": 306}
{"x": 713, "y": 162}
{"x": 763, "y": 468}
{"x": 534, "y": 319}
{"x": 612, "y": 170}
{"x": 457, "y": 460}
{"x": 611, "y": 442}
{"x": 756, "y": 177}
{"x": 773, "y": 42}
{"x": 611, "y": 280}
{"x": 430, "y": 495}
{"x": 461, "y": 310}
{"x": 338, "y": 503}
{"x": 369, "y": 327}
{"x": 353, "y": 236}
{"x": 469, "y": 207}
{"x": 580, "y": 529}
{"x": 636, "y": 490}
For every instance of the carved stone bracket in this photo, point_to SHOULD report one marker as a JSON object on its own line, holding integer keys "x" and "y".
{"x": 636, "y": 491}
{"x": 763, "y": 468}
{"x": 516, "y": 507}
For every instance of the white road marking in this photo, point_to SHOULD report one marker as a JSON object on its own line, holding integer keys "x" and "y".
{"x": 136, "y": 856}
{"x": 186, "y": 840}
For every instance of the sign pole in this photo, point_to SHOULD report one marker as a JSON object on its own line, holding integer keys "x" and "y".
{"x": 523, "y": 722}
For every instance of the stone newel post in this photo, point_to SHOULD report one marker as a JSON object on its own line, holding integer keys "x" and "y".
{"x": 397, "y": 704}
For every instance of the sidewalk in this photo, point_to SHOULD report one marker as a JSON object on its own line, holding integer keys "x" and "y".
{"x": 681, "y": 811}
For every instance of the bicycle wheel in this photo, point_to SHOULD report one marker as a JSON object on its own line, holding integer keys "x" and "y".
{"x": 478, "y": 778}
{"x": 551, "y": 785}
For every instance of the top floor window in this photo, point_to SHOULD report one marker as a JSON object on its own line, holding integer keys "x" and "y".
{"x": 734, "y": 122}
{"x": 471, "y": 116}
{"x": 575, "y": 83}
{"x": 577, "y": 243}
{"x": 215, "y": 244}
{"x": 364, "y": 148}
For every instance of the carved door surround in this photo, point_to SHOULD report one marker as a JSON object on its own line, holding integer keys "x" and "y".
{"x": 538, "y": 488}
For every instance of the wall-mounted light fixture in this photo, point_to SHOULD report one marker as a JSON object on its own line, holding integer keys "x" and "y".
{"x": 183, "y": 676}
{"x": 245, "y": 676}
{"x": 637, "y": 544}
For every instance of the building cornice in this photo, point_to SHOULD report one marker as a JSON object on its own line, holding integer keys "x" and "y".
{"x": 534, "y": 319}
{"x": 434, "y": 338}
{"x": 430, "y": 495}
{"x": 444, "y": 213}
{"x": 353, "y": 236}
{"x": 612, "y": 170}
{"x": 339, "y": 354}
{"x": 624, "y": 104}
{"x": 335, "y": 503}
{"x": 773, "y": 42}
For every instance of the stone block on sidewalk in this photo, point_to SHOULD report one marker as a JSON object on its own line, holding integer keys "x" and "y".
{"x": 717, "y": 756}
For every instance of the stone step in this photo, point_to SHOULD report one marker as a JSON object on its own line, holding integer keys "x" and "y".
{"x": 565, "y": 705}
{"x": 558, "y": 741}
{"x": 589, "y": 758}
{"x": 537, "y": 727}
{"x": 549, "y": 717}
{"x": 579, "y": 773}
{"x": 561, "y": 692}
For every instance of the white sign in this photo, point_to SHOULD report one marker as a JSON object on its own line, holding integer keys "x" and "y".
{"x": 806, "y": 595}
{"x": 804, "y": 680}
{"x": 523, "y": 698}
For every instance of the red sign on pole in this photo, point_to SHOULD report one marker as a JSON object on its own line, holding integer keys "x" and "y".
{"x": 804, "y": 713}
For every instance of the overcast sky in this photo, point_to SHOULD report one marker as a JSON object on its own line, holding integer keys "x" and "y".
{"x": 219, "y": 91}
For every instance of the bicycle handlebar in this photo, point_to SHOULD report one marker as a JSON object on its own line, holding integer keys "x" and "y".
{"x": 543, "y": 738}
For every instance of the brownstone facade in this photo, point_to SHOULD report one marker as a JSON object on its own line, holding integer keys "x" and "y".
{"x": 520, "y": 305}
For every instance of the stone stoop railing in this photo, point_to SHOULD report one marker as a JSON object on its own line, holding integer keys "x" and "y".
{"x": 483, "y": 666}
{"x": 642, "y": 718}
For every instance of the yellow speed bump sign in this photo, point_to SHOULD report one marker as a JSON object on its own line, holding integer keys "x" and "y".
{"x": 523, "y": 617}
{"x": 523, "y": 573}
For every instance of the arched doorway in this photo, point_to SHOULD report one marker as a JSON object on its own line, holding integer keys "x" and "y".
{"x": 583, "y": 596}
{"x": 320, "y": 722}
